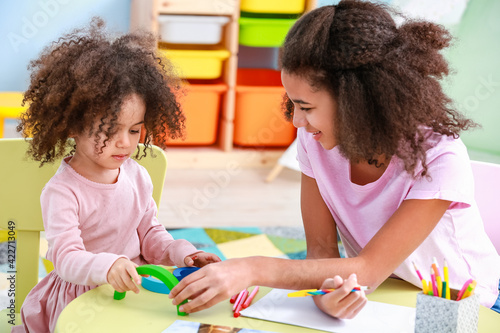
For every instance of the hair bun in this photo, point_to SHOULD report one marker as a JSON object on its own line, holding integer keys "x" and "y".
{"x": 419, "y": 44}
{"x": 424, "y": 36}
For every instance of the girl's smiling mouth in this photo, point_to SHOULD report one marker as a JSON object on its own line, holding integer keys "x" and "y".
{"x": 120, "y": 157}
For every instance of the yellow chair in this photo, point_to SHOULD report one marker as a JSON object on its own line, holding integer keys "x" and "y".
{"x": 21, "y": 182}
{"x": 10, "y": 107}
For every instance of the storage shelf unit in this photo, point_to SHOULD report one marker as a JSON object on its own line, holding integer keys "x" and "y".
{"x": 145, "y": 13}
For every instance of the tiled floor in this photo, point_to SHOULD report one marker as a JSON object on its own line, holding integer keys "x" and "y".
{"x": 212, "y": 198}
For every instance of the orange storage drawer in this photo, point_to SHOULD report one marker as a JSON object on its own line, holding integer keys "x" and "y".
{"x": 201, "y": 106}
{"x": 258, "y": 119}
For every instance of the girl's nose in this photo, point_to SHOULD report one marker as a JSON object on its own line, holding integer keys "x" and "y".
{"x": 299, "y": 120}
{"x": 122, "y": 140}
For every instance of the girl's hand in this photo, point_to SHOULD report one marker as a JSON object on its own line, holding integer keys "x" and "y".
{"x": 212, "y": 284}
{"x": 200, "y": 259}
{"x": 122, "y": 275}
{"x": 341, "y": 303}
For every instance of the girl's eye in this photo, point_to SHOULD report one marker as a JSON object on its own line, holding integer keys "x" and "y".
{"x": 135, "y": 131}
{"x": 305, "y": 109}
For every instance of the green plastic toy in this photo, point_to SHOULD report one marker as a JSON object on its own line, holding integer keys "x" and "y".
{"x": 161, "y": 274}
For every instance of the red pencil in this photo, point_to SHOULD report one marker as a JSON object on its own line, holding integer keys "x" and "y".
{"x": 233, "y": 299}
{"x": 239, "y": 304}
{"x": 250, "y": 297}
{"x": 238, "y": 299}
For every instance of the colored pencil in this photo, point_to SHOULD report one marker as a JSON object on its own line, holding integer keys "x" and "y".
{"x": 238, "y": 299}
{"x": 314, "y": 292}
{"x": 439, "y": 285}
{"x": 251, "y": 297}
{"x": 424, "y": 283}
{"x": 239, "y": 306}
{"x": 418, "y": 272}
{"x": 429, "y": 288}
{"x": 470, "y": 289}
{"x": 437, "y": 276}
{"x": 233, "y": 299}
{"x": 464, "y": 288}
{"x": 446, "y": 278}
{"x": 434, "y": 285}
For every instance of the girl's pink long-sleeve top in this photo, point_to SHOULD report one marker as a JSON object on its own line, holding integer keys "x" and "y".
{"x": 89, "y": 226}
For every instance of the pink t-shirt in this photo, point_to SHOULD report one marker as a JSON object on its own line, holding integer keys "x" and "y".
{"x": 360, "y": 211}
{"x": 88, "y": 227}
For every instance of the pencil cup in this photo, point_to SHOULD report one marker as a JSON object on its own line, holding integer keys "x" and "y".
{"x": 436, "y": 314}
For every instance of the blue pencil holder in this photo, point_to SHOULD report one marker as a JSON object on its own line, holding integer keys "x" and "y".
{"x": 437, "y": 314}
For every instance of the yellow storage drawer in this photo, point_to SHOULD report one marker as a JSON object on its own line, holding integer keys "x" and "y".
{"x": 274, "y": 6}
{"x": 197, "y": 64}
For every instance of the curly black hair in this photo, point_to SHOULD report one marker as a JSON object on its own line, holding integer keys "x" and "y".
{"x": 85, "y": 76}
{"x": 384, "y": 78}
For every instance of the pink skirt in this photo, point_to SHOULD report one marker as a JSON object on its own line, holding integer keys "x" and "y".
{"x": 45, "y": 302}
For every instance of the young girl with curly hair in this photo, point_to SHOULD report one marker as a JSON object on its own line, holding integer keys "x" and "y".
{"x": 382, "y": 165}
{"x": 98, "y": 212}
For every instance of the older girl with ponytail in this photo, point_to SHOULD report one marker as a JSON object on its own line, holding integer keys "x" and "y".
{"x": 382, "y": 165}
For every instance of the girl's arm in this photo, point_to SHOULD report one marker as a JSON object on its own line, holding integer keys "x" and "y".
{"x": 67, "y": 251}
{"x": 157, "y": 245}
{"x": 405, "y": 230}
{"x": 319, "y": 225}
{"x": 321, "y": 238}
{"x": 394, "y": 242}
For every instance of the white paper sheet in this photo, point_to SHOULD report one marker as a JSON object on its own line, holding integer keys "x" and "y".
{"x": 301, "y": 311}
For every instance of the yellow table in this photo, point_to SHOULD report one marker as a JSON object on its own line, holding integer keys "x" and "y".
{"x": 10, "y": 107}
{"x": 97, "y": 311}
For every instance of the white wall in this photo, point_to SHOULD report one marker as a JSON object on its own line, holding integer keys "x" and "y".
{"x": 27, "y": 26}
